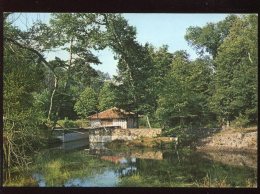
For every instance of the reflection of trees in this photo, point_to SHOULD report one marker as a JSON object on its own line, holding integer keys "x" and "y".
{"x": 193, "y": 169}
{"x": 190, "y": 170}
{"x": 58, "y": 168}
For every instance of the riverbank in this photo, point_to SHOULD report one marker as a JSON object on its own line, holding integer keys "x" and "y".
{"x": 228, "y": 140}
{"x": 231, "y": 140}
{"x": 150, "y": 142}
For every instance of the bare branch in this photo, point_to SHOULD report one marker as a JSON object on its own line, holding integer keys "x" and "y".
{"x": 250, "y": 57}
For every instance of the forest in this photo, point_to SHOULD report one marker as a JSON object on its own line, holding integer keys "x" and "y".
{"x": 219, "y": 88}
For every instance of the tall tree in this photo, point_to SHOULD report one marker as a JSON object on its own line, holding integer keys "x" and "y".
{"x": 134, "y": 65}
{"x": 236, "y": 73}
{"x": 161, "y": 59}
{"x": 208, "y": 38}
{"x": 87, "y": 103}
{"x": 22, "y": 77}
{"x": 186, "y": 90}
{"x": 76, "y": 34}
{"x": 107, "y": 97}
{"x": 77, "y": 39}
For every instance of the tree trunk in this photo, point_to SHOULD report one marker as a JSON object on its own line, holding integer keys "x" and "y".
{"x": 52, "y": 96}
{"x": 249, "y": 57}
{"x": 69, "y": 67}
{"x": 148, "y": 122}
{"x": 137, "y": 121}
{"x": 228, "y": 123}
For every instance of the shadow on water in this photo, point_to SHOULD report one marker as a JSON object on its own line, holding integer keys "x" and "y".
{"x": 72, "y": 145}
{"x": 93, "y": 165}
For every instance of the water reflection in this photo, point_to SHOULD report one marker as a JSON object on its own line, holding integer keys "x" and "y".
{"x": 72, "y": 145}
{"x": 106, "y": 179}
{"x": 93, "y": 165}
{"x": 235, "y": 159}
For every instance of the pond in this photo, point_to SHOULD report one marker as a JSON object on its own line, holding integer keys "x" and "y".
{"x": 78, "y": 164}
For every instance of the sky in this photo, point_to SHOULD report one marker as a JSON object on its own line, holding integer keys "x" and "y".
{"x": 158, "y": 29}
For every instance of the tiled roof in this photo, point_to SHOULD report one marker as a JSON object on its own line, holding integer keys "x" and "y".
{"x": 111, "y": 113}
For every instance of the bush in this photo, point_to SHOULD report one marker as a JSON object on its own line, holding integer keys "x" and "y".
{"x": 66, "y": 123}
{"x": 185, "y": 136}
{"x": 240, "y": 121}
{"x": 82, "y": 123}
{"x": 212, "y": 124}
{"x": 142, "y": 122}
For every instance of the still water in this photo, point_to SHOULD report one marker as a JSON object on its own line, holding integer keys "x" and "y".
{"x": 78, "y": 164}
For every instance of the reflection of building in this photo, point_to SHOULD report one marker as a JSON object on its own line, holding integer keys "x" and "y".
{"x": 154, "y": 155}
{"x": 114, "y": 159}
{"x": 114, "y": 117}
{"x": 121, "y": 157}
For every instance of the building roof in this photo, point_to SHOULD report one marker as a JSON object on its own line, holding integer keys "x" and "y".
{"x": 112, "y": 113}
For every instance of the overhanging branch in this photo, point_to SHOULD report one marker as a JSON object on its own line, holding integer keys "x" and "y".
{"x": 30, "y": 49}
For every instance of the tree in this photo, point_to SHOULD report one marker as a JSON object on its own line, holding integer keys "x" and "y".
{"x": 208, "y": 38}
{"x": 161, "y": 59}
{"x": 27, "y": 73}
{"x": 135, "y": 66}
{"x": 98, "y": 81}
{"x": 160, "y": 63}
{"x": 23, "y": 76}
{"x": 186, "y": 90}
{"x": 106, "y": 98}
{"x": 236, "y": 78}
{"x": 86, "y": 103}
{"x": 77, "y": 39}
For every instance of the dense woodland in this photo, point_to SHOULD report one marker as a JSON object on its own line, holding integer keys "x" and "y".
{"x": 168, "y": 89}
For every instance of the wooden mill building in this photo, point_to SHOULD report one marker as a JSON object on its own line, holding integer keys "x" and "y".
{"x": 114, "y": 117}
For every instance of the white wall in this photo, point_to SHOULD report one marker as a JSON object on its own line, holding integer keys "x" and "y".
{"x": 95, "y": 123}
{"x": 116, "y": 122}
{"x": 120, "y": 122}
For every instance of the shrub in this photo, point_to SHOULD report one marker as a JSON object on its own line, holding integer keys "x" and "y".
{"x": 82, "y": 123}
{"x": 66, "y": 123}
{"x": 240, "y": 121}
{"x": 142, "y": 122}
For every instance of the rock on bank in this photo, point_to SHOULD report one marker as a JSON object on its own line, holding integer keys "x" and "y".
{"x": 231, "y": 139}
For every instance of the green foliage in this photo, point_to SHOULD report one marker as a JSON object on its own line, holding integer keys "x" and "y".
{"x": 66, "y": 123}
{"x": 42, "y": 101}
{"x": 58, "y": 168}
{"x": 135, "y": 67}
{"x": 179, "y": 168}
{"x": 186, "y": 90}
{"x": 106, "y": 98}
{"x": 86, "y": 103}
{"x": 240, "y": 121}
{"x": 142, "y": 122}
{"x": 168, "y": 87}
{"x": 82, "y": 123}
{"x": 236, "y": 73}
{"x": 233, "y": 46}
{"x": 209, "y": 37}
{"x": 22, "y": 118}
{"x": 161, "y": 60}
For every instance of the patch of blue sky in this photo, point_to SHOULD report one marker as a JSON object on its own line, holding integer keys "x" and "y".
{"x": 157, "y": 29}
